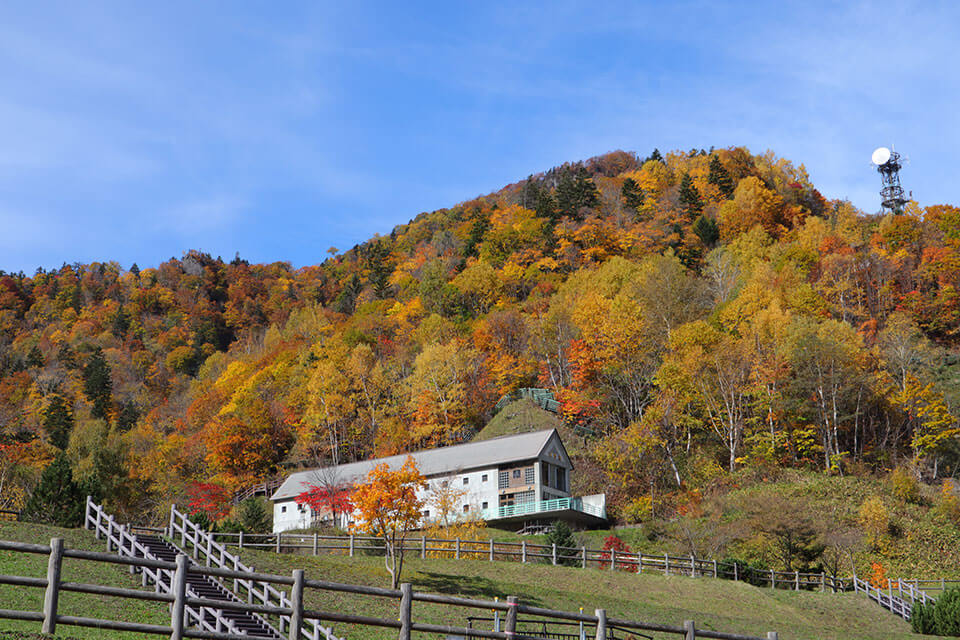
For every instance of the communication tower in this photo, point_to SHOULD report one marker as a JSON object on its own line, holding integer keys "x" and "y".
{"x": 888, "y": 165}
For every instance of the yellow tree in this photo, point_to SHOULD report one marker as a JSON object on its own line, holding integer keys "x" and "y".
{"x": 387, "y": 506}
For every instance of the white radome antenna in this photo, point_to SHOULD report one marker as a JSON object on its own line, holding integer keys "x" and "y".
{"x": 880, "y": 156}
{"x": 888, "y": 163}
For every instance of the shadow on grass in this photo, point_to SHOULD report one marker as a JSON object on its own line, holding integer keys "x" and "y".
{"x": 467, "y": 586}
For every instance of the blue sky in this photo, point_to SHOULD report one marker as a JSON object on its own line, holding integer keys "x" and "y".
{"x": 135, "y": 131}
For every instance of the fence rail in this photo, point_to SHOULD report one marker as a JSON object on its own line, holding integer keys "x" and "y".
{"x": 896, "y": 602}
{"x": 7, "y": 514}
{"x": 525, "y": 552}
{"x": 213, "y": 554}
{"x": 405, "y": 622}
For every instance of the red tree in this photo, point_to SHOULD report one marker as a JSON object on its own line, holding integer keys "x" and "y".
{"x": 209, "y": 498}
{"x": 335, "y": 499}
{"x": 614, "y": 544}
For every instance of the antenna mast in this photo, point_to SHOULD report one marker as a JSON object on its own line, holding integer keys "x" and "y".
{"x": 888, "y": 166}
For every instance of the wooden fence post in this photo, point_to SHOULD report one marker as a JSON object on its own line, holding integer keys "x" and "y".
{"x": 601, "y": 624}
{"x": 773, "y": 635}
{"x": 296, "y": 604}
{"x": 736, "y": 572}
{"x": 423, "y": 547}
{"x": 639, "y": 563}
{"x": 457, "y": 555}
{"x": 511, "y": 622}
{"x": 279, "y": 541}
{"x": 823, "y": 581}
{"x": 86, "y": 514}
{"x": 553, "y": 551}
{"x": 406, "y": 607}
{"x": 172, "y": 511}
{"x": 666, "y": 564}
{"x": 351, "y": 545}
{"x": 715, "y": 574}
{"x": 583, "y": 551}
{"x": 491, "y": 549}
{"x": 773, "y": 580}
{"x": 523, "y": 551}
{"x": 693, "y": 566}
{"x": 52, "y": 593}
{"x": 689, "y": 630}
{"x": 796, "y": 580}
{"x": 613, "y": 559}
{"x": 315, "y": 543}
{"x": 96, "y": 527}
{"x": 241, "y": 540}
{"x": 179, "y": 597}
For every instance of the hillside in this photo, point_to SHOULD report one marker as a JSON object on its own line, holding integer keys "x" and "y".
{"x": 710, "y": 316}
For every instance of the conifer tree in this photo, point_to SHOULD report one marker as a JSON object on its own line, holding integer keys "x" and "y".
{"x": 655, "y": 156}
{"x": 632, "y": 194}
{"x": 690, "y": 198}
{"x": 58, "y": 422}
{"x": 707, "y": 230}
{"x": 575, "y": 192}
{"x": 719, "y": 177}
{"x": 35, "y": 357}
{"x": 57, "y": 499}
{"x": 562, "y": 536}
{"x": 97, "y": 384}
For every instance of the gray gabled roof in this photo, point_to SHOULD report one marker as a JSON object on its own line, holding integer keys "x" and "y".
{"x": 432, "y": 462}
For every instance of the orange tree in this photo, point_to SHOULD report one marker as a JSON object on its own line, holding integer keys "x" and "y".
{"x": 387, "y": 506}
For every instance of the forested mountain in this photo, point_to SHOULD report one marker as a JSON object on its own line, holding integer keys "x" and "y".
{"x": 701, "y": 312}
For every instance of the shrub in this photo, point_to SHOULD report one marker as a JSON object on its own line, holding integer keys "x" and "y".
{"x": 253, "y": 516}
{"x": 921, "y": 618}
{"x": 946, "y": 613}
{"x": 611, "y": 544}
{"x": 57, "y": 499}
{"x": 875, "y": 520}
{"x": 562, "y": 536}
{"x": 905, "y": 486}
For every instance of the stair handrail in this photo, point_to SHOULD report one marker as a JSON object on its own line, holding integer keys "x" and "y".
{"x": 215, "y": 554}
{"x": 96, "y": 518}
{"x": 885, "y": 598}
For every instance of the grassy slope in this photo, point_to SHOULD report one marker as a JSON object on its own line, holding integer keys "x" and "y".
{"x": 31, "y": 599}
{"x": 713, "y": 604}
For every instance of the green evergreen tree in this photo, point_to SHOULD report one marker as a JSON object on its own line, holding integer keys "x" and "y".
{"x": 57, "y": 499}
{"x": 707, "y": 230}
{"x": 66, "y": 357}
{"x": 690, "y": 199}
{"x": 946, "y": 613}
{"x": 655, "y": 156}
{"x": 347, "y": 300}
{"x": 377, "y": 261}
{"x": 127, "y": 416}
{"x": 563, "y": 537}
{"x": 58, "y": 422}
{"x": 97, "y": 384}
{"x": 719, "y": 177}
{"x": 576, "y": 192}
{"x": 631, "y": 194}
{"x": 120, "y": 323}
{"x": 254, "y": 516}
{"x": 35, "y": 358}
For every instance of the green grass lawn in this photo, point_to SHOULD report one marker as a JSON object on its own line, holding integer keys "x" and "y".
{"x": 713, "y": 604}
{"x": 74, "y": 570}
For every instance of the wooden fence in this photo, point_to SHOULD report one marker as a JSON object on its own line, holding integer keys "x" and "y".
{"x": 523, "y": 551}
{"x": 405, "y": 622}
{"x": 7, "y": 514}
{"x": 895, "y": 601}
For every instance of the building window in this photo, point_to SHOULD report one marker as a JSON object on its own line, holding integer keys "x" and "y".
{"x": 466, "y": 481}
{"x": 528, "y": 475}
{"x": 486, "y": 505}
{"x": 283, "y": 509}
{"x": 545, "y": 474}
{"x": 426, "y": 513}
{"x": 561, "y": 479}
{"x": 483, "y": 478}
{"x": 516, "y": 473}
{"x": 466, "y": 508}
{"x": 504, "y": 480}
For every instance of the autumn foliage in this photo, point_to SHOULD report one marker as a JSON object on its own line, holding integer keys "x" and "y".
{"x": 694, "y": 312}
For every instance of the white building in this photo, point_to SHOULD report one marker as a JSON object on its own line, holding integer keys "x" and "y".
{"x": 510, "y": 480}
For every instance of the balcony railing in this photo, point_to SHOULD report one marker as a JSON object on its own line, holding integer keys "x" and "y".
{"x": 543, "y": 506}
